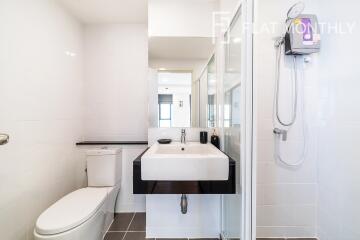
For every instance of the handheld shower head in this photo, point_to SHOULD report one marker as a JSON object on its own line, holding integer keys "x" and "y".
{"x": 295, "y": 10}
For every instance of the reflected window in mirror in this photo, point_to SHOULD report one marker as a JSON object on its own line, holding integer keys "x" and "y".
{"x": 165, "y": 107}
{"x": 174, "y": 98}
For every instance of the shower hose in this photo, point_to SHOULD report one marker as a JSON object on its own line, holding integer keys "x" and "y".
{"x": 277, "y": 117}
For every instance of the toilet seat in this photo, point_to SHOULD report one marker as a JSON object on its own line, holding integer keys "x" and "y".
{"x": 71, "y": 211}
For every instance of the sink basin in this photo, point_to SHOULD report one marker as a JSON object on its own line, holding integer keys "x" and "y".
{"x": 184, "y": 162}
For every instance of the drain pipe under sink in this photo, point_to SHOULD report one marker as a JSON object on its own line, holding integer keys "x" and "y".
{"x": 184, "y": 204}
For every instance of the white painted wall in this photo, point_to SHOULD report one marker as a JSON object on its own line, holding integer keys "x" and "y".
{"x": 181, "y": 18}
{"x": 339, "y": 125}
{"x": 116, "y": 76}
{"x": 286, "y": 198}
{"x": 41, "y": 108}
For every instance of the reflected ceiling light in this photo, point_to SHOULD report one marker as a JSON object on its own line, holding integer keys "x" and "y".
{"x": 162, "y": 69}
{"x": 237, "y": 40}
{"x": 71, "y": 54}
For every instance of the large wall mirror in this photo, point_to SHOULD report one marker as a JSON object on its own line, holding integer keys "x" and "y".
{"x": 182, "y": 82}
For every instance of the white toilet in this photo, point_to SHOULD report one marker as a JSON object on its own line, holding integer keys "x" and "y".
{"x": 85, "y": 214}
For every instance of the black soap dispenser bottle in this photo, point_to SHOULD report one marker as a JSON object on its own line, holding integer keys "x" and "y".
{"x": 215, "y": 140}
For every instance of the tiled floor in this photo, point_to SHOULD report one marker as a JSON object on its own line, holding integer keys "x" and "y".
{"x": 127, "y": 226}
{"x": 130, "y": 226}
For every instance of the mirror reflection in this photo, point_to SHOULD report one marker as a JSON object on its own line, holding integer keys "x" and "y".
{"x": 174, "y": 98}
{"x": 182, "y": 82}
{"x": 211, "y": 91}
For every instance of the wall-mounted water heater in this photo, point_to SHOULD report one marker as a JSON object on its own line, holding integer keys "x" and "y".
{"x": 303, "y": 35}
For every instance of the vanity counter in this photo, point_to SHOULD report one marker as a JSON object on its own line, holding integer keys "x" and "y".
{"x": 182, "y": 187}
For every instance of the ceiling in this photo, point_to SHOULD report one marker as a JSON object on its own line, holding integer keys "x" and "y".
{"x": 179, "y": 79}
{"x": 180, "y": 47}
{"x": 108, "y": 11}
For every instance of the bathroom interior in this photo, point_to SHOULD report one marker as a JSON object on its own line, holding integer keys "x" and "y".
{"x": 179, "y": 119}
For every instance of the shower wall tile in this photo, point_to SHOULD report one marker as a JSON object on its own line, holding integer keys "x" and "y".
{"x": 290, "y": 194}
{"x": 286, "y": 232}
{"x": 287, "y": 197}
{"x": 339, "y": 131}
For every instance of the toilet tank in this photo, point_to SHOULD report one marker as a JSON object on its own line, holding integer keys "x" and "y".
{"x": 104, "y": 167}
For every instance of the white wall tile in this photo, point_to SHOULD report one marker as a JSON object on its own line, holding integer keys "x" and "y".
{"x": 41, "y": 109}
{"x": 192, "y": 134}
{"x": 116, "y": 68}
{"x": 339, "y": 132}
{"x": 127, "y": 201}
{"x": 165, "y": 220}
{"x": 284, "y": 191}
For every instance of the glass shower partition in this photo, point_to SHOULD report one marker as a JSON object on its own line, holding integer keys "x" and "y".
{"x": 232, "y": 204}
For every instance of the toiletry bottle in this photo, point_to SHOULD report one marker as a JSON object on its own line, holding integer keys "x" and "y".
{"x": 215, "y": 140}
{"x": 203, "y": 137}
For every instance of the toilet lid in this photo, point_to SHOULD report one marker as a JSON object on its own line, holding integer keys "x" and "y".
{"x": 71, "y": 211}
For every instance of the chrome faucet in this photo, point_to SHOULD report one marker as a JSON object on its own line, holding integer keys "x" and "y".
{"x": 280, "y": 132}
{"x": 183, "y": 136}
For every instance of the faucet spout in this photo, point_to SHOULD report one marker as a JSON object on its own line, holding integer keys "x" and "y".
{"x": 183, "y": 136}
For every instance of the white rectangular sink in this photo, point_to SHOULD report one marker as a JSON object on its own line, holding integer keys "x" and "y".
{"x": 184, "y": 162}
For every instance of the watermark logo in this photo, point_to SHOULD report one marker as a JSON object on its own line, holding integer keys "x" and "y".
{"x": 221, "y": 22}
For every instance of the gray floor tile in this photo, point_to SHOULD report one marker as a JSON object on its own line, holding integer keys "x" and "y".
{"x": 138, "y": 223}
{"x": 114, "y": 236}
{"x": 121, "y": 221}
{"x": 135, "y": 236}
